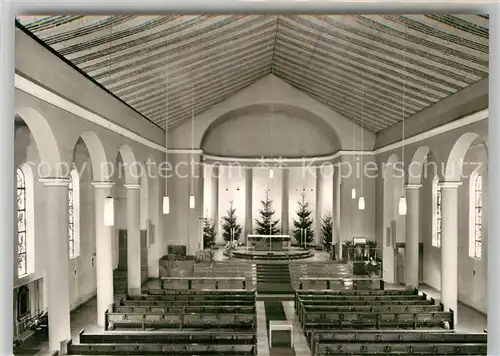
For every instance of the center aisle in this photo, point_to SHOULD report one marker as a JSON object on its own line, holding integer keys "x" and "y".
{"x": 281, "y": 339}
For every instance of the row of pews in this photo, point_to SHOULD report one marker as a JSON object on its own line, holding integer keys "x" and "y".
{"x": 381, "y": 322}
{"x": 176, "y": 322}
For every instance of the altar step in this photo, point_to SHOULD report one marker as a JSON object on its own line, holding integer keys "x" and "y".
{"x": 273, "y": 279}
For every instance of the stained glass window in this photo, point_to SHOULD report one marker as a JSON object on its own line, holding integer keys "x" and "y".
{"x": 478, "y": 215}
{"x": 22, "y": 261}
{"x": 437, "y": 213}
{"x": 71, "y": 220}
{"x": 73, "y": 214}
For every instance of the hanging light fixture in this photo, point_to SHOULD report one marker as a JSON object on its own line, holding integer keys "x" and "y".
{"x": 192, "y": 203}
{"x": 353, "y": 190}
{"x": 361, "y": 202}
{"x": 166, "y": 205}
{"x": 402, "y": 206}
{"x": 271, "y": 170}
{"x": 109, "y": 211}
{"x": 109, "y": 203}
{"x": 166, "y": 199}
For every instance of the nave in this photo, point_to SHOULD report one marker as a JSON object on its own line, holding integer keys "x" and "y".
{"x": 313, "y": 184}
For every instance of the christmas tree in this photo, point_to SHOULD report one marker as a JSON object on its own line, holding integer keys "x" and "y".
{"x": 208, "y": 233}
{"x": 231, "y": 230}
{"x": 303, "y": 231}
{"x": 266, "y": 225}
{"x": 327, "y": 230}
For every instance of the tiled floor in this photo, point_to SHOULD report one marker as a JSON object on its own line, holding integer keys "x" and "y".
{"x": 469, "y": 320}
{"x": 299, "y": 340}
{"x": 262, "y": 341}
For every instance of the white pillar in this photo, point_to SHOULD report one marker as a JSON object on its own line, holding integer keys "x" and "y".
{"x": 194, "y": 230}
{"x": 133, "y": 239}
{"x": 412, "y": 234}
{"x": 104, "y": 252}
{"x": 337, "y": 228}
{"x": 214, "y": 196}
{"x": 319, "y": 205}
{"x": 248, "y": 201}
{"x": 285, "y": 188}
{"x": 57, "y": 261}
{"x": 449, "y": 246}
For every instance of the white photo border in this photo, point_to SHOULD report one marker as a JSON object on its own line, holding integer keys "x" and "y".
{"x": 9, "y": 9}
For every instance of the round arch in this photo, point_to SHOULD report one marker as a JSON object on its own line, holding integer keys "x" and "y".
{"x": 132, "y": 168}
{"x": 101, "y": 168}
{"x": 46, "y": 143}
{"x": 416, "y": 167}
{"x": 454, "y": 163}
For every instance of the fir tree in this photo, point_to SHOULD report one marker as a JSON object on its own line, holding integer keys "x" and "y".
{"x": 208, "y": 233}
{"x": 231, "y": 230}
{"x": 303, "y": 231}
{"x": 266, "y": 225}
{"x": 327, "y": 230}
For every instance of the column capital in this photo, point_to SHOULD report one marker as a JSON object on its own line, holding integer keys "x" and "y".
{"x": 450, "y": 184}
{"x": 132, "y": 186}
{"x": 413, "y": 186}
{"x": 103, "y": 184}
{"x": 55, "y": 181}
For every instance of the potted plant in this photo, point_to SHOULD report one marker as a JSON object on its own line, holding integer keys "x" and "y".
{"x": 372, "y": 267}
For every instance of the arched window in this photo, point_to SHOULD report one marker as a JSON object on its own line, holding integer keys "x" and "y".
{"x": 22, "y": 260}
{"x": 436, "y": 212}
{"x": 74, "y": 214}
{"x": 475, "y": 215}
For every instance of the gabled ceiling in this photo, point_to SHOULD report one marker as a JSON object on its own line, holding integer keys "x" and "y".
{"x": 198, "y": 61}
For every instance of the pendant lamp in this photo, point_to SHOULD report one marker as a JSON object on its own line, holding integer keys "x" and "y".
{"x": 361, "y": 201}
{"x": 166, "y": 205}
{"x": 109, "y": 211}
{"x": 402, "y": 207}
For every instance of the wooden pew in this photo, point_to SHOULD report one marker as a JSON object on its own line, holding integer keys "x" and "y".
{"x": 352, "y": 320}
{"x": 170, "y": 336}
{"x": 209, "y": 292}
{"x": 341, "y": 282}
{"x": 216, "y": 309}
{"x": 173, "y": 349}
{"x": 175, "y": 303}
{"x": 306, "y": 308}
{"x": 196, "y": 321}
{"x": 355, "y": 299}
{"x": 400, "y": 349}
{"x": 200, "y": 283}
{"x": 316, "y": 294}
{"x": 200, "y": 296}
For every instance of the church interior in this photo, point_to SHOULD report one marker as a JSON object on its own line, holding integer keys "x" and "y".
{"x": 251, "y": 185}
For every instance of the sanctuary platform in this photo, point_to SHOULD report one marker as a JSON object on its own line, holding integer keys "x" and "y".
{"x": 292, "y": 253}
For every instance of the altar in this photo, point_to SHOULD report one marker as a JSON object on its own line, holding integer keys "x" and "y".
{"x": 268, "y": 242}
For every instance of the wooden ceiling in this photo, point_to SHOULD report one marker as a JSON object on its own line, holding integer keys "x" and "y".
{"x": 166, "y": 66}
